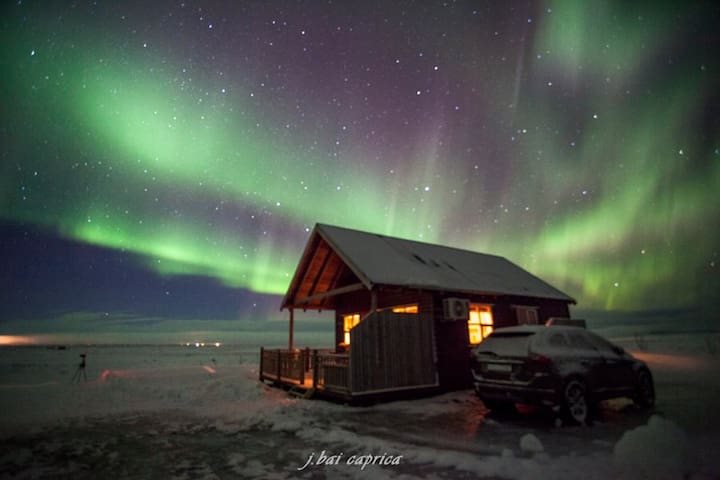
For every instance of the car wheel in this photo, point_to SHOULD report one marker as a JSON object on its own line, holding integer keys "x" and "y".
{"x": 576, "y": 407}
{"x": 645, "y": 396}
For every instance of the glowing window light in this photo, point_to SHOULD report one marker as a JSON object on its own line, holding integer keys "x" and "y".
{"x": 349, "y": 321}
{"x": 480, "y": 323}
{"x": 406, "y": 309}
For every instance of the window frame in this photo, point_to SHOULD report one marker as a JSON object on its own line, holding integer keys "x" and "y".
{"x": 351, "y": 319}
{"x": 525, "y": 310}
{"x": 405, "y": 308}
{"x": 481, "y": 329}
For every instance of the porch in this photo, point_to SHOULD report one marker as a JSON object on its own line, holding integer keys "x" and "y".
{"x": 307, "y": 371}
{"x": 389, "y": 352}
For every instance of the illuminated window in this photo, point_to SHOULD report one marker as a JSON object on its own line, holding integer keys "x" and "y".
{"x": 406, "y": 309}
{"x": 480, "y": 324}
{"x": 349, "y": 321}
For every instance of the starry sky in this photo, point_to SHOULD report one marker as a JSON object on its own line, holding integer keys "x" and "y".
{"x": 169, "y": 159}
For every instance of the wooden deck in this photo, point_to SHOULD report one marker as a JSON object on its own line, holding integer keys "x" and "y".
{"x": 389, "y": 352}
{"x": 317, "y": 369}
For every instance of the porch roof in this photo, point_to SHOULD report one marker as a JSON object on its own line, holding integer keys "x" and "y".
{"x": 339, "y": 260}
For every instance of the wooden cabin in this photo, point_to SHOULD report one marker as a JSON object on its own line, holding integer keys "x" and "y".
{"x": 406, "y": 314}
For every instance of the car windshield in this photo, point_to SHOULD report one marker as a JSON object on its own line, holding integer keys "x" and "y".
{"x": 513, "y": 344}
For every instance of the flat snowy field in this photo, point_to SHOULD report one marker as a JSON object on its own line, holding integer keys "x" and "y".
{"x": 186, "y": 412}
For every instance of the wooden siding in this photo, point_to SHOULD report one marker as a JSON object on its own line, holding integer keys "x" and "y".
{"x": 392, "y": 351}
{"x": 553, "y": 309}
{"x": 359, "y": 302}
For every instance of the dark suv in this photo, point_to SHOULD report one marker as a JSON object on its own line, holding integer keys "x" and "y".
{"x": 567, "y": 368}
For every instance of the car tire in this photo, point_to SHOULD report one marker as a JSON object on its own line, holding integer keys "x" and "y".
{"x": 576, "y": 406}
{"x": 645, "y": 390}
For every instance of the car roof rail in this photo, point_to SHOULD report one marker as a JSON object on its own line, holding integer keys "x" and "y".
{"x": 565, "y": 322}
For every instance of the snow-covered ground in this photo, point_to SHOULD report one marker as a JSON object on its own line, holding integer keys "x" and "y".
{"x": 187, "y": 412}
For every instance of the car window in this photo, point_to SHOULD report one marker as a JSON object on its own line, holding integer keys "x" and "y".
{"x": 581, "y": 342}
{"x": 506, "y": 344}
{"x": 558, "y": 340}
{"x": 605, "y": 347}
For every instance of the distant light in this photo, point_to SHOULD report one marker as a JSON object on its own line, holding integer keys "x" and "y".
{"x": 217, "y": 344}
{"x": 197, "y": 344}
{"x": 16, "y": 340}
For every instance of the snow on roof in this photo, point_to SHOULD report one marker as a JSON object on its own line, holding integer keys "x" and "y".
{"x": 382, "y": 260}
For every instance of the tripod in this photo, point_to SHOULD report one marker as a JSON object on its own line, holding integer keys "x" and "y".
{"x": 80, "y": 370}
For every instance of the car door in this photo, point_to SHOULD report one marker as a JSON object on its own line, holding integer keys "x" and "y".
{"x": 618, "y": 366}
{"x": 590, "y": 361}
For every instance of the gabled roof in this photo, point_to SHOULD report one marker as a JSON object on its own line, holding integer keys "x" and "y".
{"x": 380, "y": 260}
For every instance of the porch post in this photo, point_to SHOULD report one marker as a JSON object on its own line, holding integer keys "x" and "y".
{"x": 262, "y": 354}
{"x": 292, "y": 328}
{"x": 316, "y": 366}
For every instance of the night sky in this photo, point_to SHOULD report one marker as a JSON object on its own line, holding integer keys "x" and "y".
{"x": 168, "y": 159}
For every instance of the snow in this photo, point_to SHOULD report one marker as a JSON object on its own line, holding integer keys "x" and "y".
{"x": 185, "y": 412}
{"x": 530, "y": 443}
{"x": 657, "y": 450}
{"x": 383, "y": 260}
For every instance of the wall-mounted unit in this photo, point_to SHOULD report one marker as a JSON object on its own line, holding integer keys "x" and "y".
{"x": 455, "y": 309}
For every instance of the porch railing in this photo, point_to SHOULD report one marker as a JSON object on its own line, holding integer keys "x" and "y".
{"x": 319, "y": 368}
{"x": 334, "y": 372}
{"x": 283, "y": 364}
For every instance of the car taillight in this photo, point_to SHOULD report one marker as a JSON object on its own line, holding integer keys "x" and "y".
{"x": 540, "y": 360}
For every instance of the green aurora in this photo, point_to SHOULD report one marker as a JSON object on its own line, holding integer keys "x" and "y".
{"x": 606, "y": 184}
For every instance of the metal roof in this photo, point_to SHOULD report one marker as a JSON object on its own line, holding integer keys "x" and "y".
{"x": 381, "y": 260}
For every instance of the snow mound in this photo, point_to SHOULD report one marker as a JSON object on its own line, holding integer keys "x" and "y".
{"x": 658, "y": 450}
{"x": 530, "y": 443}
